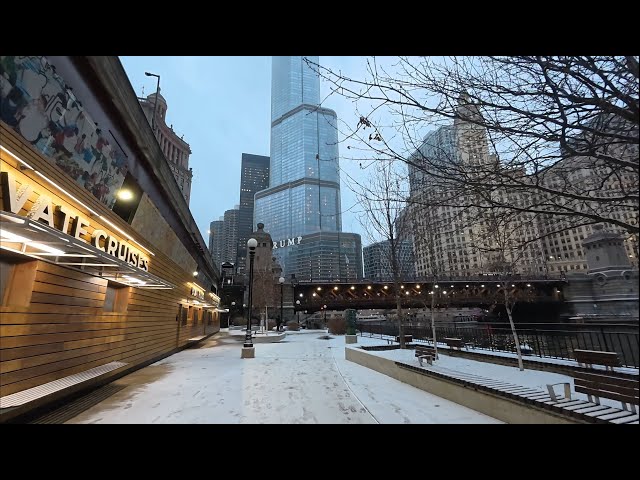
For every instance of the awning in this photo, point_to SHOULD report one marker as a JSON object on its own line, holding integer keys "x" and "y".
{"x": 37, "y": 240}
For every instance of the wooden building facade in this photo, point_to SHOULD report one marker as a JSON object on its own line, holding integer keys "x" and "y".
{"x": 93, "y": 284}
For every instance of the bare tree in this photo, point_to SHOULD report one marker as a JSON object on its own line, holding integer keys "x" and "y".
{"x": 422, "y": 223}
{"x": 561, "y": 132}
{"x": 382, "y": 201}
{"x": 504, "y": 249}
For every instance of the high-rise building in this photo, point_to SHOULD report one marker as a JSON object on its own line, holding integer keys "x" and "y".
{"x": 301, "y": 208}
{"x": 216, "y": 240}
{"x": 254, "y": 177}
{"x": 223, "y": 237}
{"x": 377, "y": 261}
{"x": 456, "y": 237}
{"x": 438, "y": 146}
{"x": 563, "y": 243}
{"x": 175, "y": 149}
{"x": 230, "y": 235}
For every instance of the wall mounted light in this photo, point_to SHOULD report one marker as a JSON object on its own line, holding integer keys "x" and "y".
{"x": 124, "y": 194}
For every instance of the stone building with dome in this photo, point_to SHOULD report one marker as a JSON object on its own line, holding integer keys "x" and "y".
{"x": 175, "y": 149}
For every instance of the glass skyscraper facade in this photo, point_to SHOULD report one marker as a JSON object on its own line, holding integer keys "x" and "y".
{"x": 216, "y": 240}
{"x": 303, "y": 198}
{"x": 254, "y": 177}
{"x": 438, "y": 146}
{"x": 377, "y": 261}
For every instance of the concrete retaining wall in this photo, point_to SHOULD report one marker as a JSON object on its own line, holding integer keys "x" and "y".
{"x": 504, "y": 409}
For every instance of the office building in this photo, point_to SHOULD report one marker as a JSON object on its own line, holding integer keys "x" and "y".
{"x": 378, "y": 263}
{"x": 176, "y": 150}
{"x": 253, "y": 178}
{"x": 301, "y": 208}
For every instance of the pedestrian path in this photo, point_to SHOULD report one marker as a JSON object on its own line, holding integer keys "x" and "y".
{"x": 303, "y": 379}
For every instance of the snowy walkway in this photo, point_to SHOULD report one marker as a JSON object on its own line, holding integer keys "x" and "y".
{"x": 302, "y": 379}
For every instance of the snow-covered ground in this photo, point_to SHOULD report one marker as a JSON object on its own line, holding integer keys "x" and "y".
{"x": 303, "y": 379}
{"x": 449, "y": 364}
{"x": 381, "y": 340}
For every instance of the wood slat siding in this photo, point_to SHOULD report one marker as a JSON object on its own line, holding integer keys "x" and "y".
{"x": 65, "y": 329}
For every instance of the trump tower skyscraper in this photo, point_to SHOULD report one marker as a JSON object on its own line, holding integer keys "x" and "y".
{"x": 301, "y": 208}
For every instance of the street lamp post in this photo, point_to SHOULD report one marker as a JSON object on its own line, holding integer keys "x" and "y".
{"x": 281, "y": 280}
{"x": 248, "y": 350}
{"x": 324, "y": 307}
{"x": 233, "y": 307}
{"x": 298, "y": 313}
{"x": 155, "y": 104}
{"x": 294, "y": 284}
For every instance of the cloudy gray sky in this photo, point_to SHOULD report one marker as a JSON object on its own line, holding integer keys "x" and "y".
{"x": 222, "y": 105}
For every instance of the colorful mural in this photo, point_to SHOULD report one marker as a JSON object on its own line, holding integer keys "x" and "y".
{"x": 37, "y": 103}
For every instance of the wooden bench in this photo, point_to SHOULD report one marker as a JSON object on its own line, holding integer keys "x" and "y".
{"x": 55, "y": 386}
{"x": 425, "y": 352}
{"x": 591, "y": 357}
{"x": 604, "y": 385}
{"x": 455, "y": 343}
{"x": 407, "y": 339}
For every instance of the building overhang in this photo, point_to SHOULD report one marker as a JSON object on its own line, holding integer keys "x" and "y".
{"x": 24, "y": 237}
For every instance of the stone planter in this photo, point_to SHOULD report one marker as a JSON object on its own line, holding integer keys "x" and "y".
{"x": 351, "y": 339}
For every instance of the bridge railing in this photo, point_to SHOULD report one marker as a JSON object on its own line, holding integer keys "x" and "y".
{"x": 540, "y": 339}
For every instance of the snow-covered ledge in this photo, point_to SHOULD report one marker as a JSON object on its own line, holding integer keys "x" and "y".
{"x": 505, "y": 409}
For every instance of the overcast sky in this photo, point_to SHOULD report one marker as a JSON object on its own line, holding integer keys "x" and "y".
{"x": 222, "y": 106}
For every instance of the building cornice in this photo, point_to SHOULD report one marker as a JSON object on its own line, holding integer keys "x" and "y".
{"x": 166, "y": 130}
{"x": 296, "y": 183}
{"x": 304, "y": 106}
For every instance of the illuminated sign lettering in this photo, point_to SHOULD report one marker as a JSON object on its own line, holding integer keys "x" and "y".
{"x": 196, "y": 292}
{"x": 43, "y": 210}
{"x": 287, "y": 242}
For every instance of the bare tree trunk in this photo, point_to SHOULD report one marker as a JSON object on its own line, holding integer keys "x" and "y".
{"x": 433, "y": 322}
{"x": 266, "y": 317}
{"x": 507, "y": 306}
{"x": 399, "y": 313}
{"x": 396, "y": 281}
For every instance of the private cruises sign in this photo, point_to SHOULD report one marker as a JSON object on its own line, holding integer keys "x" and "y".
{"x": 287, "y": 243}
{"x": 16, "y": 197}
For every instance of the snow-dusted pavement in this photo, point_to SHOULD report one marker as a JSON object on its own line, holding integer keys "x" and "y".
{"x": 303, "y": 379}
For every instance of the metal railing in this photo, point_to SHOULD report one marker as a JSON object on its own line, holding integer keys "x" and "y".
{"x": 552, "y": 340}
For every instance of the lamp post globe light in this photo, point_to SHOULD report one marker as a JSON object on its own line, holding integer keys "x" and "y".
{"x": 248, "y": 350}
{"x": 281, "y": 281}
{"x": 298, "y": 313}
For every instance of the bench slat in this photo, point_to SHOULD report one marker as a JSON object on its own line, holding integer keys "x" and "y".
{"x": 20, "y": 398}
{"x": 603, "y": 387}
{"x": 632, "y": 419}
{"x": 607, "y": 379}
{"x": 607, "y": 394}
{"x": 603, "y": 412}
{"x": 579, "y": 405}
{"x": 613, "y": 416}
{"x": 592, "y": 409}
{"x": 609, "y": 359}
